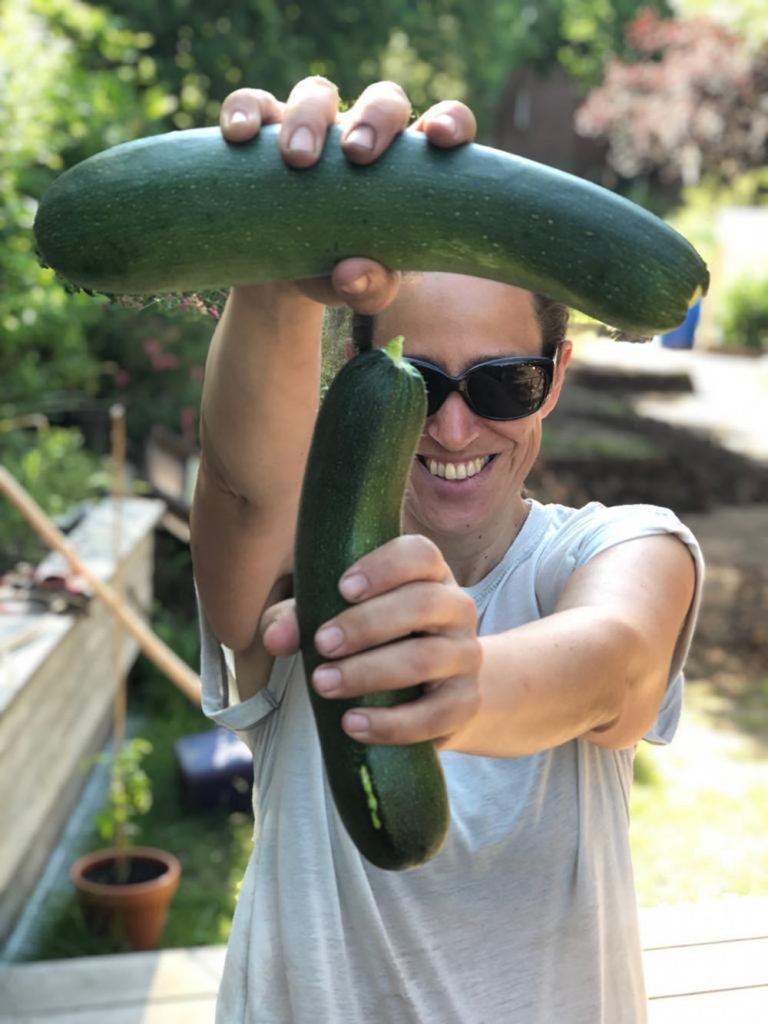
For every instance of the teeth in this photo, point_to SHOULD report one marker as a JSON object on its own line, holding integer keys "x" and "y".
{"x": 456, "y": 470}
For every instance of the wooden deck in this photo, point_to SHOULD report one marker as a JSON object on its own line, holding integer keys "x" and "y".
{"x": 706, "y": 963}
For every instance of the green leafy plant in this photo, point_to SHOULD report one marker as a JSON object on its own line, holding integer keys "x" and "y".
{"x": 129, "y": 793}
{"x": 744, "y": 315}
{"x": 54, "y": 467}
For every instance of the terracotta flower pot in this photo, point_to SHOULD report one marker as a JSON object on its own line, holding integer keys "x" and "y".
{"x": 135, "y": 909}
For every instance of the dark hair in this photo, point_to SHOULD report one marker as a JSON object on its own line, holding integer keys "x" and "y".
{"x": 553, "y": 321}
{"x": 552, "y": 317}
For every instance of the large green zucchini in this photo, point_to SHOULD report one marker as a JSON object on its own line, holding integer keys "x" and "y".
{"x": 188, "y": 211}
{"x": 392, "y": 799}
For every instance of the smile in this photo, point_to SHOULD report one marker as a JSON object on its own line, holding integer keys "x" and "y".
{"x": 455, "y": 470}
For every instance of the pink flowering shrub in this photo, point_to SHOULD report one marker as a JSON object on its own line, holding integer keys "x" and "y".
{"x": 691, "y": 105}
{"x": 153, "y": 360}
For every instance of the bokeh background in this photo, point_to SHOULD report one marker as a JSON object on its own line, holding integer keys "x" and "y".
{"x": 666, "y": 103}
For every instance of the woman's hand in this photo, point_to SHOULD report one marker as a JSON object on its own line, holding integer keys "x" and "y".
{"x": 382, "y": 112}
{"x": 408, "y": 623}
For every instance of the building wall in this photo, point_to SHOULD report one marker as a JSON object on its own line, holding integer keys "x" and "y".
{"x": 536, "y": 120}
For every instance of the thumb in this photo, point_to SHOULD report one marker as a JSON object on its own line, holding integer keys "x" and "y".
{"x": 280, "y": 628}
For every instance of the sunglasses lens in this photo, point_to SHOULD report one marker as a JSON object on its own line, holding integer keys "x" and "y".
{"x": 495, "y": 391}
{"x": 438, "y": 387}
{"x": 507, "y": 392}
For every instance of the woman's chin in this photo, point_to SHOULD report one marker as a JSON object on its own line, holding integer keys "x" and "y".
{"x": 450, "y": 506}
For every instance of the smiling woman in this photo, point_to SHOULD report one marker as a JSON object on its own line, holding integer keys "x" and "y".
{"x": 531, "y": 646}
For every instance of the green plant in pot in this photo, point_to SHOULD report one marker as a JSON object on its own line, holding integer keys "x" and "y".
{"x": 126, "y": 890}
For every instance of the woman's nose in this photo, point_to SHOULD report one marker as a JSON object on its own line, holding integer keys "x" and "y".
{"x": 454, "y": 426}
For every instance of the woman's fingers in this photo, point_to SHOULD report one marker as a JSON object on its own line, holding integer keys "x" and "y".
{"x": 280, "y": 628}
{"x": 404, "y": 559}
{"x": 435, "y": 716}
{"x": 411, "y": 662}
{"x": 421, "y": 607}
{"x": 244, "y": 111}
{"x": 381, "y": 112}
{"x": 358, "y": 282}
{"x": 311, "y": 108}
{"x": 448, "y": 123}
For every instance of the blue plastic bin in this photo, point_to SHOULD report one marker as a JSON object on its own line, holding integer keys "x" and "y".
{"x": 683, "y": 336}
{"x": 216, "y": 770}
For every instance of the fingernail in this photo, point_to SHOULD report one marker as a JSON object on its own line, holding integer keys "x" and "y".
{"x": 326, "y": 680}
{"x": 233, "y": 118}
{"x": 302, "y": 141}
{"x": 356, "y": 723}
{"x": 353, "y": 586}
{"x": 328, "y": 639}
{"x": 356, "y": 287}
{"x": 362, "y": 136}
{"x": 446, "y": 122}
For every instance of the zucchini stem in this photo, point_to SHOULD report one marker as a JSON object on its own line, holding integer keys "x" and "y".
{"x": 394, "y": 349}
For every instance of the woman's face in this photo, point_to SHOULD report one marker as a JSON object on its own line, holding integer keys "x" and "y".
{"x": 455, "y": 321}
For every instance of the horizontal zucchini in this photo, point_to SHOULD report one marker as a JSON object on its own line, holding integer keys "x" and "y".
{"x": 392, "y": 799}
{"x": 187, "y": 211}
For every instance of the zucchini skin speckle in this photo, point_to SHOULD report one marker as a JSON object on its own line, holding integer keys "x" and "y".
{"x": 187, "y": 211}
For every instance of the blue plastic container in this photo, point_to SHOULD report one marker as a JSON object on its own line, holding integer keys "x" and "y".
{"x": 683, "y": 336}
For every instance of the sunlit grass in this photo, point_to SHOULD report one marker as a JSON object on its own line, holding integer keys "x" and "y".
{"x": 700, "y": 806}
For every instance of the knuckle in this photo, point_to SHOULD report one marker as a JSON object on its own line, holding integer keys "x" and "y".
{"x": 385, "y": 91}
{"x": 248, "y": 99}
{"x": 427, "y": 553}
{"x": 451, "y": 106}
{"x": 323, "y": 83}
{"x": 382, "y": 727}
{"x": 471, "y": 702}
{"x": 466, "y": 607}
{"x": 430, "y": 603}
{"x": 422, "y": 658}
{"x": 395, "y": 87}
{"x": 313, "y": 84}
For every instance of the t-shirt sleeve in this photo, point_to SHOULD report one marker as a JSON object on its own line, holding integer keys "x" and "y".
{"x": 595, "y": 529}
{"x": 219, "y": 689}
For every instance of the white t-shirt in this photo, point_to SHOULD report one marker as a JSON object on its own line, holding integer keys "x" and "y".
{"x": 528, "y": 913}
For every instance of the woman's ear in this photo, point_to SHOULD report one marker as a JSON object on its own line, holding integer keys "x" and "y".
{"x": 563, "y": 359}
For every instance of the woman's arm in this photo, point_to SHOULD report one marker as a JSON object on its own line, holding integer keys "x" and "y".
{"x": 258, "y": 407}
{"x": 261, "y": 388}
{"x": 596, "y": 668}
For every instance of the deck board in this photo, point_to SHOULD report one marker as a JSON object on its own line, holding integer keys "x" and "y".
{"x": 705, "y": 964}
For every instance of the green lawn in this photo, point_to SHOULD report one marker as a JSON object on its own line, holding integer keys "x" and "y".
{"x": 700, "y": 806}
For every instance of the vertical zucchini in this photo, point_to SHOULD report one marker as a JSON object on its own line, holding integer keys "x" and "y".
{"x": 392, "y": 799}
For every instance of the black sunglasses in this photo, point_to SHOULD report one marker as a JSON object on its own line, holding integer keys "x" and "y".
{"x": 496, "y": 389}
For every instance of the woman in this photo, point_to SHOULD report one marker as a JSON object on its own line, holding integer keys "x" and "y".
{"x": 553, "y": 641}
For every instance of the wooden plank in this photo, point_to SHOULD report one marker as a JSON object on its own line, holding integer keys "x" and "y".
{"x": 739, "y": 1006}
{"x": 733, "y": 917}
{"x": 177, "y": 1011}
{"x": 95, "y": 984}
{"x": 682, "y": 970}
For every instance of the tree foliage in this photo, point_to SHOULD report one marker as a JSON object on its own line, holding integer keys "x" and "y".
{"x": 433, "y": 48}
{"x": 67, "y": 72}
{"x": 694, "y": 103}
{"x": 76, "y": 78}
